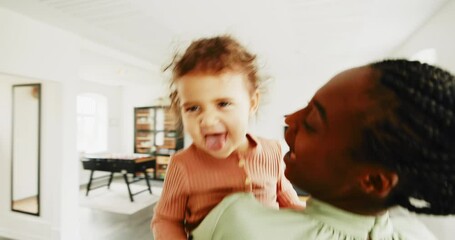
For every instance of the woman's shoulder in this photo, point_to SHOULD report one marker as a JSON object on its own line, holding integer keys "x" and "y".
{"x": 241, "y": 216}
{"x": 409, "y": 226}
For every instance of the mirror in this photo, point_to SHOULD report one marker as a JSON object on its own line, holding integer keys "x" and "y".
{"x": 25, "y": 154}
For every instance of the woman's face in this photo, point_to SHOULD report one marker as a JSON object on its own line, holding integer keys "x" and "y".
{"x": 321, "y": 137}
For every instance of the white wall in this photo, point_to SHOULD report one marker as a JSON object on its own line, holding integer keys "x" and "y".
{"x": 17, "y": 225}
{"x": 5, "y": 146}
{"x": 138, "y": 96}
{"x": 33, "y": 49}
{"x": 437, "y": 33}
{"x": 33, "y": 52}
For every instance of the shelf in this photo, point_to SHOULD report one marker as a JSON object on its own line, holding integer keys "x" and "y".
{"x": 162, "y": 159}
{"x": 142, "y": 138}
{"x": 156, "y": 130}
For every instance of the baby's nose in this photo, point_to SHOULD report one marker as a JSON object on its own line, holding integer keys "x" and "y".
{"x": 209, "y": 119}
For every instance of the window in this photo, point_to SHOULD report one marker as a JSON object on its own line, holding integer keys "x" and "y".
{"x": 92, "y": 123}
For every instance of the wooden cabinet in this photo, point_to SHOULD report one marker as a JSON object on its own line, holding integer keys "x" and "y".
{"x": 144, "y": 125}
{"x": 156, "y": 131}
{"x": 162, "y": 162}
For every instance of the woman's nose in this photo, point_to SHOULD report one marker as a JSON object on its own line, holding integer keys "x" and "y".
{"x": 288, "y": 119}
{"x": 293, "y": 118}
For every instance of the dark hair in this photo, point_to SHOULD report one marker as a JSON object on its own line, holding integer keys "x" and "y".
{"x": 413, "y": 133}
{"x": 213, "y": 56}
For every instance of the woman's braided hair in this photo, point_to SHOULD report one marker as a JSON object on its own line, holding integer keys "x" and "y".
{"x": 414, "y": 134}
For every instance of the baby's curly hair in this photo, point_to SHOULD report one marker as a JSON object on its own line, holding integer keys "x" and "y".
{"x": 414, "y": 134}
{"x": 213, "y": 56}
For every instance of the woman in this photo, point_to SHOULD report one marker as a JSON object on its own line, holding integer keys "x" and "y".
{"x": 374, "y": 137}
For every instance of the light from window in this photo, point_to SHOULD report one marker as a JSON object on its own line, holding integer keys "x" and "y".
{"x": 92, "y": 123}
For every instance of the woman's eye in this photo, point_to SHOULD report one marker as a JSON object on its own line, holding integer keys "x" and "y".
{"x": 192, "y": 109}
{"x": 308, "y": 127}
{"x": 224, "y": 104}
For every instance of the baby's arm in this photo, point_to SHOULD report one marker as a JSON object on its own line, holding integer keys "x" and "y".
{"x": 164, "y": 228}
{"x": 169, "y": 213}
{"x": 287, "y": 196}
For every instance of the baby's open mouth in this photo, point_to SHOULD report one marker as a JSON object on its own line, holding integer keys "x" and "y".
{"x": 215, "y": 141}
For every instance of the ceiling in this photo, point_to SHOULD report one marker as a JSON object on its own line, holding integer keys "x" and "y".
{"x": 286, "y": 34}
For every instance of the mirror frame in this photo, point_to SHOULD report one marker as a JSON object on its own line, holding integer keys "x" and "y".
{"x": 38, "y": 86}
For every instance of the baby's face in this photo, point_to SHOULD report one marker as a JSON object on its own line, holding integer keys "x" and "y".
{"x": 215, "y": 111}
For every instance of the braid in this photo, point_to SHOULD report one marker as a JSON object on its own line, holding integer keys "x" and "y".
{"x": 416, "y": 134}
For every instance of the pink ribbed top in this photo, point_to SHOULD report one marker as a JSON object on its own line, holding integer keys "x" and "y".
{"x": 196, "y": 182}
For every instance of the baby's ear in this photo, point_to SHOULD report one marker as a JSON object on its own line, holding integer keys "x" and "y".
{"x": 254, "y": 102}
{"x": 379, "y": 182}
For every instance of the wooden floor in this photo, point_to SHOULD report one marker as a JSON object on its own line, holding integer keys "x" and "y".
{"x": 29, "y": 204}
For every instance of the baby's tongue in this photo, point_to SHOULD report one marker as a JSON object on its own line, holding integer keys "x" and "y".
{"x": 215, "y": 141}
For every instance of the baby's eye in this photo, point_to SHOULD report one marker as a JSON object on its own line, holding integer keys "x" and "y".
{"x": 192, "y": 109}
{"x": 224, "y": 104}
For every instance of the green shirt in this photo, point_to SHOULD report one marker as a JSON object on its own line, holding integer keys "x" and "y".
{"x": 241, "y": 217}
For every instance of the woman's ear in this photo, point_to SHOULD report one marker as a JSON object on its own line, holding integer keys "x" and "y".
{"x": 379, "y": 182}
{"x": 254, "y": 102}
